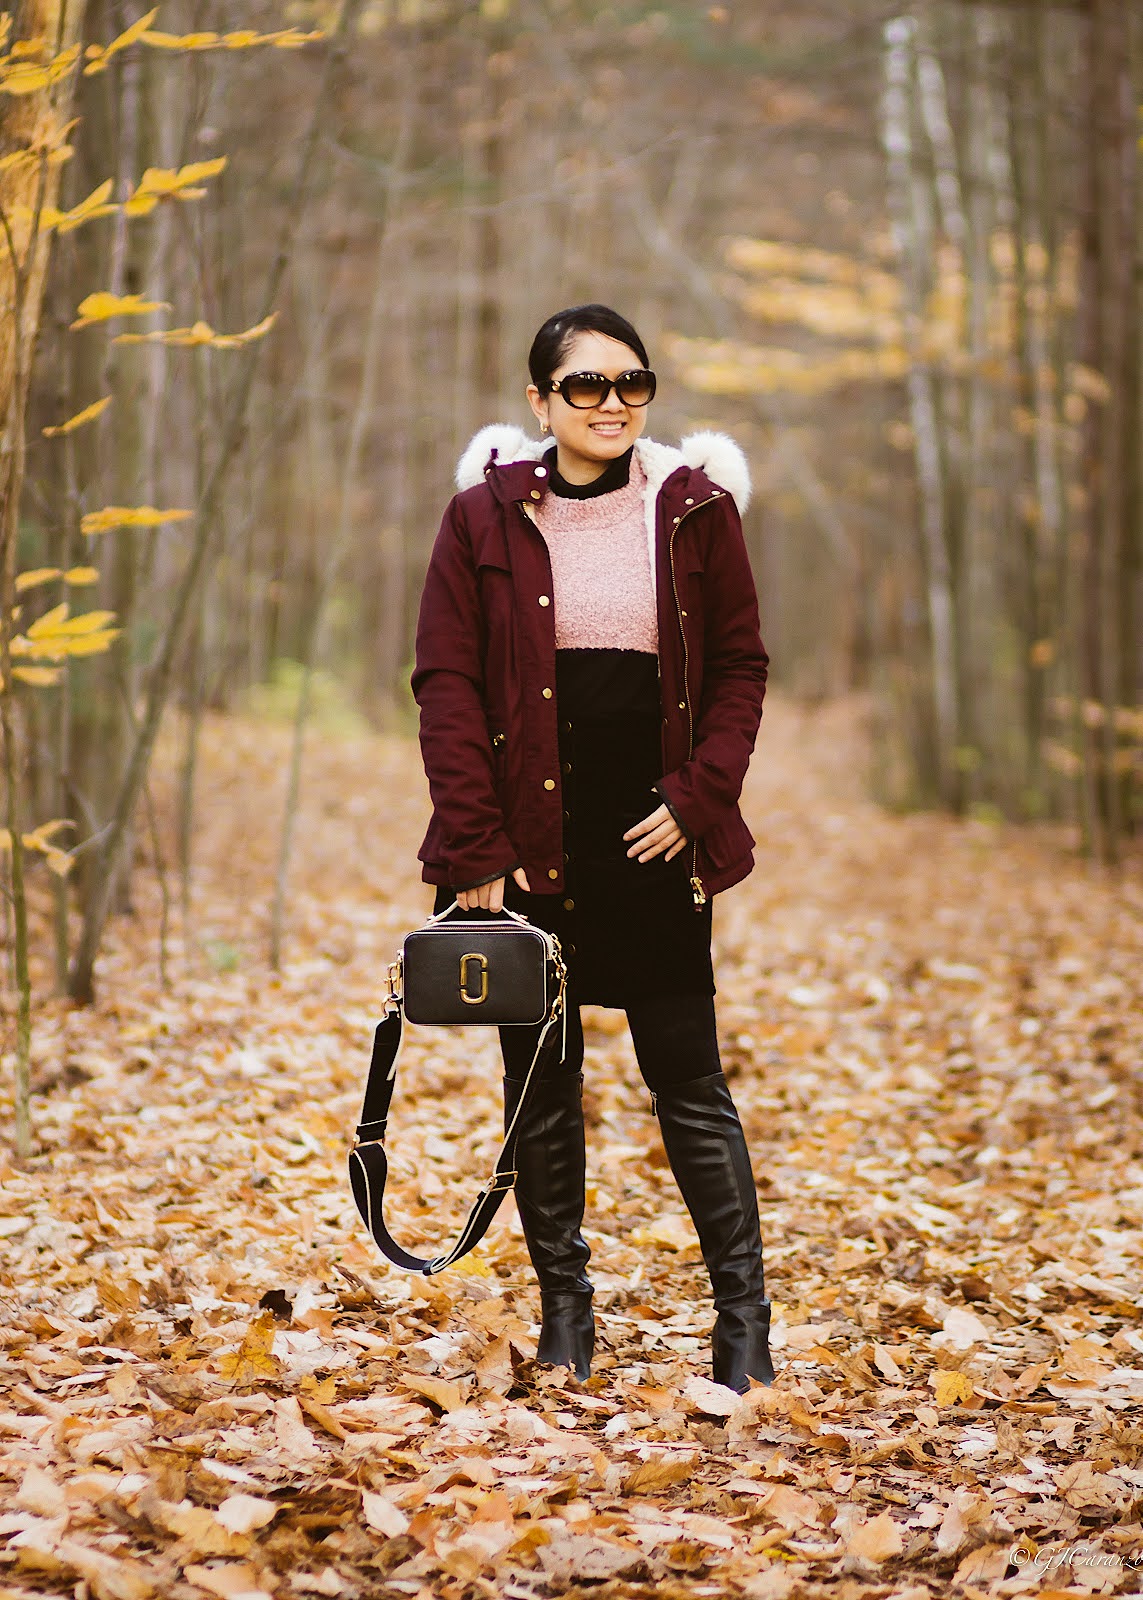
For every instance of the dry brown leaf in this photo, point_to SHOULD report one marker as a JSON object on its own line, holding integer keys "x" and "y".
{"x": 441, "y": 1393}
{"x": 383, "y": 1515}
{"x": 235, "y": 1581}
{"x": 876, "y": 1540}
{"x": 656, "y": 1474}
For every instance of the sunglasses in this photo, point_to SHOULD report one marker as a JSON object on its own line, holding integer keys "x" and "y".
{"x": 584, "y": 390}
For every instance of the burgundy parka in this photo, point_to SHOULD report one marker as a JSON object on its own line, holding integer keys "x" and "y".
{"x": 484, "y": 676}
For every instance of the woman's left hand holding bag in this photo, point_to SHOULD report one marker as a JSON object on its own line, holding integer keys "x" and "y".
{"x": 490, "y": 896}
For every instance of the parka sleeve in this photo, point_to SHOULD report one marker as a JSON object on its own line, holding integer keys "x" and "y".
{"x": 448, "y": 686}
{"x": 735, "y": 663}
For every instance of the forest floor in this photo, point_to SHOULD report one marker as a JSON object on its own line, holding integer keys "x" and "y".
{"x": 211, "y": 1384}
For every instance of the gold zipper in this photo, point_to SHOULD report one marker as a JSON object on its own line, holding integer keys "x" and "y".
{"x": 698, "y": 893}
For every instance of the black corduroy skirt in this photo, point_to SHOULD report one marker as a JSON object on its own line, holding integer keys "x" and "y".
{"x": 629, "y": 930}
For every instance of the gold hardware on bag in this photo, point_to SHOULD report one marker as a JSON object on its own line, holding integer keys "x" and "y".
{"x": 473, "y": 999}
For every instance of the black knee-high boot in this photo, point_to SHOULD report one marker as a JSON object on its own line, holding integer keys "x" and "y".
{"x": 550, "y": 1164}
{"x": 706, "y": 1148}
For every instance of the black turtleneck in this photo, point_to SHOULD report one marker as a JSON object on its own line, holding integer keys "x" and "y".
{"x": 614, "y": 476}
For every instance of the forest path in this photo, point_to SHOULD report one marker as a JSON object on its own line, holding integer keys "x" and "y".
{"x": 933, "y": 1032}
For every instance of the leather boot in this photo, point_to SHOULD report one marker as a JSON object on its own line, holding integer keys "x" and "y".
{"x": 707, "y": 1151}
{"x": 550, "y": 1164}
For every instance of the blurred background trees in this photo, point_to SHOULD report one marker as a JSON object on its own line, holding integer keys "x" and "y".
{"x": 892, "y": 248}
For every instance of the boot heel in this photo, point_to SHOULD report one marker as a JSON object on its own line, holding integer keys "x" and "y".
{"x": 567, "y": 1337}
{"x": 740, "y": 1347}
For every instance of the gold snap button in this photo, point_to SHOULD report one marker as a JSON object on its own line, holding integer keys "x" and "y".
{"x": 541, "y": 472}
{"x": 535, "y": 494}
{"x": 547, "y": 693}
{"x": 689, "y": 502}
{"x": 682, "y": 613}
{"x": 677, "y": 519}
{"x": 549, "y": 783}
{"x": 567, "y": 766}
{"x": 553, "y": 872}
{"x": 682, "y": 705}
{"x": 545, "y": 600}
{"x": 569, "y": 905}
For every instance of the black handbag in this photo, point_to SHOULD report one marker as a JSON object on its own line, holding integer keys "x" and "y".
{"x": 496, "y": 972}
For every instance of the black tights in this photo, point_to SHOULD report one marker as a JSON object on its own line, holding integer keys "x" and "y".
{"x": 674, "y": 1037}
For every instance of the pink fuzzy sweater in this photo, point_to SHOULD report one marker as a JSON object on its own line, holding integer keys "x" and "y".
{"x": 601, "y": 574}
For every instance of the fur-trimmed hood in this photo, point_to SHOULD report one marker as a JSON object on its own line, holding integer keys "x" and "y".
{"x": 716, "y": 454}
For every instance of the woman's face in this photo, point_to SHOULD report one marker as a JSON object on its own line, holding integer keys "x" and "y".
{"x": 588, "y": 440}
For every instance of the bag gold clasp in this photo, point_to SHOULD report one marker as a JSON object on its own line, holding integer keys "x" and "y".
{"x": 473, "y": 999}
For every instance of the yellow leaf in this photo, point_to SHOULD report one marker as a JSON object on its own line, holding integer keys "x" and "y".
{"x": 59, "y": 861}
{"x": 196, "y": 171}
{"x": 180, "y": 41}
{"x": 88, "y": 414}
{"x": 94, "y": 206}
{"x": 159, "y": 182}
{"x": 35, "y": 576}
{"x": 40, "y": 838}
{"x": 5, "y": 839}
{"x": 87, "y": 644}
{"x": 50, "y": 621}
{"x": 86, "y": 622}
{"x": 130, "y": 517}
{"x": 30, "y": 77}
{"x": 40, "y": 677}
{"x": 231, "y": 341}
{"x": 99, "y": 55}
{"x": 101, "y": 306}
{"x": 951, "y": 1387}
{"x": 79, "y": 577}
{"x": 253, "y": 1360}
{"x": 201, "y": 334}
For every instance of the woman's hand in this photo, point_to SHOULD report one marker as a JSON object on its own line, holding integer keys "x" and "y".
{"x": 490, "y": 896}
{"x": 654, "y": 834}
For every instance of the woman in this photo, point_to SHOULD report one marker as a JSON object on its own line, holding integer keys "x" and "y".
{"x": 590, "y": 678}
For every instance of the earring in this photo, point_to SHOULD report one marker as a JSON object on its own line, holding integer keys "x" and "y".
{"x": 543, "y": 427}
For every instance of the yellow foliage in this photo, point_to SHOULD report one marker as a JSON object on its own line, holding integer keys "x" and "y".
{"x": 837, "y": 310}
{"x": 88, "y": 414}
{"x": 130, "y": 517}
{"x": 40, "y": 839}
{"x": 56, "y": 635}
{"x": 32, "y": 77}
{"x": 253, "y": 1361}
{"x": 34, "y": 577}
{"x": 64, "y": 221}
{"x": 39, "y": 677}
{"x": 201, "y": 334}
{"x": 79, "y": 577}
{"x": 952, "y": 1387}
{"x": 102, "y": 305}
{"x": 94, "y": 206}
{"x": 99, "y": 55}
{"x": 161, "y": 183}
{"x": 242, "y": 39}
{"x": 723, "y": 366}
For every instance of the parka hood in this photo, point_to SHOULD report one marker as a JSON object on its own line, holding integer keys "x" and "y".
{"x": 716, "y": 454}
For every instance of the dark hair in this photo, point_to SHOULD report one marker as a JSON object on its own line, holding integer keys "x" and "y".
{"x": 553, "y": 341}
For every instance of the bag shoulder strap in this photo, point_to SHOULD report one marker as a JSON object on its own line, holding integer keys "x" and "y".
{"x": 369, "y": 1164}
